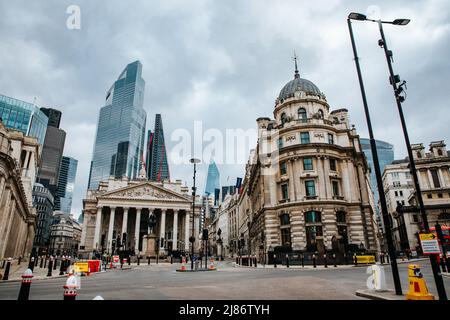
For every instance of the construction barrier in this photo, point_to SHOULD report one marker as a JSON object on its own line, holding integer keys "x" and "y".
{"x": 211, "y": 264}
{"x": 365, "y": 259}
{"x": 418, "y": 289}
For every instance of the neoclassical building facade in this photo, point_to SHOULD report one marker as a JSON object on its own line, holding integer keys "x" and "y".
{"x": 122, "y": 207}
{"x": 19, "y": 156}
{"x": 306, "y": 186}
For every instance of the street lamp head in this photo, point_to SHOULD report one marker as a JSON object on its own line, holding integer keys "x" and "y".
{"x": 401, "y": 22}
{"x": 357, "y": 16}
{"x": 195, "y": 160}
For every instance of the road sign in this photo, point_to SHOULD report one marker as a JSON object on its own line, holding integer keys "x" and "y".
{"x": 430, "y": 244}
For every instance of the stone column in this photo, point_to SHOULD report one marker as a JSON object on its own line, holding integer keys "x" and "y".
{"x": 162, "y": 230}
{"x": 124, "y": 223}
{"x": 137, "y": 229}
{"x": 175, "y": 230}
{"x": 98, "y": 225}
{"x": 186, "y": 232}
{"x": 110, "y": 228}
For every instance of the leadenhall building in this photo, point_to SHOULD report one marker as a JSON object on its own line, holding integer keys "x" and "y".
{"x": 307, "y": 182}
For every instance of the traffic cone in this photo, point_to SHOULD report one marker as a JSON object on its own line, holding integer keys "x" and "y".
{"x": 183, "y": 264}
{"x": 417, "y": 286}
{"x": 211, "y": 264}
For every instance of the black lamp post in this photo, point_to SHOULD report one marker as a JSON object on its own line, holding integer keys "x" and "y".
{"x": 192, "y": 238}
{"x": 395, "y": 275}
{"x": 398, "y": 90}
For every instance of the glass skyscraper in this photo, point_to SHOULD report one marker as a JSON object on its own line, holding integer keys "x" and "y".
{"x": 157, "y": 164}
{"x": 212, "y": 179}
{"x": 385, "y": 156}
{"x": 23, "y": 116}
{"x": 120, "y": 136}
{"x": 66, "y": 184}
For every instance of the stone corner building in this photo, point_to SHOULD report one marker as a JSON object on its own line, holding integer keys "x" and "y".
{"x": 123, "y": 206}
{"x": 306, "y": 187}
{"x": 19, "y": 156}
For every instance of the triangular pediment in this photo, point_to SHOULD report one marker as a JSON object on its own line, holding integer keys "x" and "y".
{"x": 145, "y": 191}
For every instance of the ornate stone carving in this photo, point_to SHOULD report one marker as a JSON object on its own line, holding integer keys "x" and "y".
{"x": 145, "y": 192}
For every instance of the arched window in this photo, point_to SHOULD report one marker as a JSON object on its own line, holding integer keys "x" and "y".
{"x": 283, "y": 118}
{"x": 340, "y": 217}
{"x": 302, "y": 116}
{"x": 321, "y": 113}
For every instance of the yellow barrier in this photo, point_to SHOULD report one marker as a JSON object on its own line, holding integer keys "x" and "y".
{"x": 418, "y": 289}
{"x": 81, "y": 267}
{"x": 365, "y": 259}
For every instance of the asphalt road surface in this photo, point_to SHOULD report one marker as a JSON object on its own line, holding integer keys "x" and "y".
{"x": 228, "y": 282}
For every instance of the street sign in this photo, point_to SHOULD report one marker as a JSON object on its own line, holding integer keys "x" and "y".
{"x": 430, "y": 244}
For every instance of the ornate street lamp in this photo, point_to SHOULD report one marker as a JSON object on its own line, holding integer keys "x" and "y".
{"x": 194, "y": 189}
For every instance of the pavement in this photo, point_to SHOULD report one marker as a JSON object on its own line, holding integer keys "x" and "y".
{"x": 162, "y": 282}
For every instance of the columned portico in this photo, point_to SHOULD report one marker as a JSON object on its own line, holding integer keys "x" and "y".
{"x": 143, "y": 198}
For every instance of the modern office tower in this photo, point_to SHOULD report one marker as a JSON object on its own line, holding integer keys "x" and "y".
{"x": 66, "y": 184}
{"x": 52, "y": 151}
{"x": 119, "y": 142}
{"x": 43, "y": 201}
{"x": 212, "y": 179}
{"x": 385, "y": 156}
{"x": 157, "y": 164}
{"x": 23, "y": 116}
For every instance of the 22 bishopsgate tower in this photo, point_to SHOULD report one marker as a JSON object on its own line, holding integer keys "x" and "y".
{"x": 120, "y": 136}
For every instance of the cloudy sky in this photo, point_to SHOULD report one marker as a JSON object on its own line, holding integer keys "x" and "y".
{"x": 223, "y": 63}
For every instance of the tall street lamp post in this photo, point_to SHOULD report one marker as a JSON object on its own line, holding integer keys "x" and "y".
{"x": 192, "y": 238}
{"x": 398, "y": 90}
{"x": 391, "y": 249}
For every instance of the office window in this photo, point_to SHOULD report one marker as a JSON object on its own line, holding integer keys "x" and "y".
{"x": 304, "y": 137}
{"x": 284, "y": 191}
{"x": 396, "y": 193}
{"x": 285, "y": 236}
{"x": 280, "y": 143}
{"x": 335, "y": 185}
{"x": 394, "y": 175}
{"x": 310, "y": 188}
{"x": 330, "y": 138}
{"x": 340, "y": 217}
{"x": 283, "y": 167}
{"x": 307, "y": 164}
{"x": 434, "y": 175}
{"x": 396, "y": 184}
{"x": 333, "y": 164}
{"x": 313, "y": 217}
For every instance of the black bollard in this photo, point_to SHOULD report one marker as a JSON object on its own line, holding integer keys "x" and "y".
{"x": 237, "y": 261}
{"x": 325, "y": 260}
{"x": 61, "y": 266}
{"x": 20, "y": 260}
{"x": 24, "y": 292}
{"x": 314, "y": 261}
{"x": 129, "y": 260}
{"x": 249, "y": 261}
{"x": 274, "y": 261}
{"x": 171, "y": 259}
{"x": 148, "y": 260}
{"x": 287, "y": 261}
{"x": 42, "y": 263}
{"x": 50, "y": 267}
{"x": 355, "y": 259}
{"x": 334, "y": 258}
{"x": 8, "y": 266}
{"x": 36, "y": 262}
{"x": 303, "y": 260}
{"x": 31, "y": 264}
{"x": 255, "y": 262}
{"x": 139, "y": 259}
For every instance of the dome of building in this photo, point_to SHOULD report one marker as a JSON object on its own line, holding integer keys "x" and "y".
{"x": 299, "y": 84}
